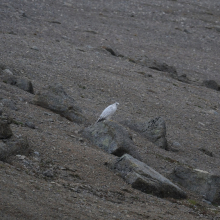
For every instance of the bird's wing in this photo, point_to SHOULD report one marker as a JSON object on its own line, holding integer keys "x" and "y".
{"x": 107, "y": 112}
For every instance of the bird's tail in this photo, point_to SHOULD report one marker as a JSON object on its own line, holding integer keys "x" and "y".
{"x": 100, "y": 119}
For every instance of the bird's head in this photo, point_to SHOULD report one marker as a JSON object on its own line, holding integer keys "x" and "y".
{"x": 116, "y": 103}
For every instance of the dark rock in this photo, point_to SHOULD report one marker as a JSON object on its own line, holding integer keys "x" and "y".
{"x": 30, "y": 124}
{"x": 183, "y": 78}
{"x": 112, "y": 138}
{"x": 198, "y": 181}
{"x": 211, "y": 84}
{"x": 21, "y": 83}
{"x": 48, "y": 173}
{"x": 175, "y": 146}
{"x": 217, "y": 28}
{"x": 146, "y": 179}
{"x": 154, "y": 130}
{"x": 25, "y": 85}
{"x": 5, "y": 130}
{"x": 24, "y": 15}
{"x": 56, "y": 99}
{"x": 13, "y": 146}
{"x": 159, "y": 66}
{"x": 9, "y": 104}
{"x": 113, "y": 52}
{"x": 12, "y": 32}
{"x": 9, "y": 79}
{"x": 3, "y": 66}
{"x": 54, "y": 22}
{"x": 206, "y": 151}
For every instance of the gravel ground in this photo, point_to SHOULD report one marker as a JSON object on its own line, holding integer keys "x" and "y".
{"x": 69, "y": 42}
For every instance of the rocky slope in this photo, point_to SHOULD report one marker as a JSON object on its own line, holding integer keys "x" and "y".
{"x": 156, "y": 58}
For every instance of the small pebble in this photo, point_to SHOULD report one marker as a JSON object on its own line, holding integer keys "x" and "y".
{"x": 20, "y": 157}
{"x": 35, "y": 48}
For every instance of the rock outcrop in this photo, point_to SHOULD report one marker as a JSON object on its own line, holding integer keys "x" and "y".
{"x": 154, "y": 130}
{"x": 22, "y": 83}
{"x": 56, "y": 99}
{"x": 112, "y": 138}
{"x": 198, "y": 181}
{"x": 146, "y": 179}
{"x": 211, "y": 84}
{"x": 9, "y": 144}
{"x": 158, "y": 65}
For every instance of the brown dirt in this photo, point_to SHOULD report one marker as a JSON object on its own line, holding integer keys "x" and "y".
{"x": 63, "y": 41}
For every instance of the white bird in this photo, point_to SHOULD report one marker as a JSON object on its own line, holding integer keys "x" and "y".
{"x": 108, "y": 112}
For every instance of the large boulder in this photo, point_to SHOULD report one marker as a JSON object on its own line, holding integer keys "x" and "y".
{"x": 146, "y": 179}
{"x": 54, "y": 97}
{"x": 198, "y": 181}
{"x": 5, "y": 130}
{"x": 112, "y": 138}
{"x": 154, "y": 130}
{"x": 13, "y": 146}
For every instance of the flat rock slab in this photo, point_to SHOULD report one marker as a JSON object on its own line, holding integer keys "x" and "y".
{"x": 112, "y": 138}
{"x": 154, "y": 130}
{"x": 198, "y": 181}
{"x": 56, "y": 99}
{"x": 13, "y": 146}
{"x": 146, "y": 179}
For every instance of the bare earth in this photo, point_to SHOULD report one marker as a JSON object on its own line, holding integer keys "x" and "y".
{"x": 64, "y": 41}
